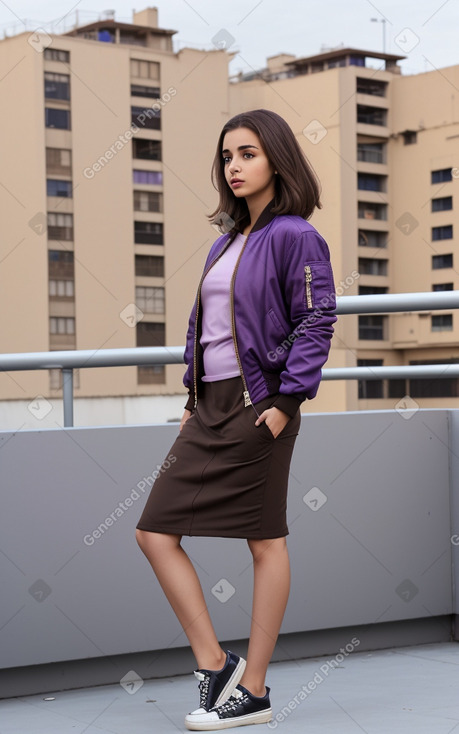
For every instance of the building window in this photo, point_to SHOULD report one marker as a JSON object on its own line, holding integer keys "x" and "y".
{"x": 442, "y": 204}
{"x": 444, "y": 322}
{"x": 371, "y": 152}
{"x": 441, "y": 175}
{"x": 442, "y": 233}
{"x": 367, "y": 210}
{"x": 60, "y": 226}
{"x": 61, "y": 325}
{"x": 372, "y": 238}
{"x": 438, "y": 287}
{"x": 59, "y": 160}
{"x": 153, "y": 375}
{"x": 370, "y": 389}
{"x": 149, "y": 300}
{"x": 371, "y": 86}
{"x": 57, "y": 86}
{"x": 146, "y": 201}
{"x": 445, "y": 387}
{"x": 371, "y": 182}
{"x": 150, "y": 266}
{"x": 133, "y": 39}
{"x": 372, "y": 327}
{"x": 410, "y": 137}
{"x": 146, "y": 117}
{"x": 372, "y": 266}
{"x": 154, "y": 178}
{"x": 397, "y": 388}
{"x": 372, "y": 290}
{"x": 59, "y": 119}
{"x": 149, "y": 150}
{"x": 60, "y": 264}
{"x": 442, "y": 261}
{"x": 145, "y": 69}
{"x": 56, "y": 379}
{"x": 56, "y": 54}
{"x": 55, "y": 187}
{"x": 148, "y": 233}
{"x": 140, "y": 90}
{"x": 371, "y": 115}
{"x": 150, "y": 334}
{"x": 61, "y": 289}
{"x": 317, "y": 66}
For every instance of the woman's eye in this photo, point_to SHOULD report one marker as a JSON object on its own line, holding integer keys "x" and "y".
{"x": 226, "y": 159}
{"x": 248, "y": 154}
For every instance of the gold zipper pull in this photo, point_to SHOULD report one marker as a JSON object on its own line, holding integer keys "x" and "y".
{"x": 247, "y": 400}
{"x": 308, "y": 279}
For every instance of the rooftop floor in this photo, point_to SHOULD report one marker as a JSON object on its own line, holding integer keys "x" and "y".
{"x": 404, "y": 690}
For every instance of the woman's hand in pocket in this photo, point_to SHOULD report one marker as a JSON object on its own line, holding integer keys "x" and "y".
{"x": 275, "y": 419}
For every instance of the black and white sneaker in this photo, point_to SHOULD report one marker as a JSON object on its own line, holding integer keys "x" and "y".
{"x": 242, "y": 708}
{"x": 215, "y": 686}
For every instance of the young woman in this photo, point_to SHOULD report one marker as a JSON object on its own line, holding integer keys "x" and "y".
{"x": 258, "y": 336}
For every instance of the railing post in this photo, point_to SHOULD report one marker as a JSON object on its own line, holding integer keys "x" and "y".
{"x": 67, "y": 392}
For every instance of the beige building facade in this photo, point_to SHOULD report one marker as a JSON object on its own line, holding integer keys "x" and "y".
{"x": 106, "y": 173}
{"x": 387, "y": 151}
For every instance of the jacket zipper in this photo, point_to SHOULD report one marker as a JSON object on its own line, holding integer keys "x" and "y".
{"x": 308, "y": 281}
{"x": 195, "y": 341}
{"x": 245, "y": 394}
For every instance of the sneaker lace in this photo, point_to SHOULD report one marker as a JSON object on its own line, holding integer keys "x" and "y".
{"x": 234, "y": 700}
{"x": 203, "y": 690}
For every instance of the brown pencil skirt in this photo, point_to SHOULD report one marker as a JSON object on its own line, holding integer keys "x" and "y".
{"x": 224, "y": 476}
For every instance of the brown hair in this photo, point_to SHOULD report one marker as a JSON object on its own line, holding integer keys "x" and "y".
{"x": 297, "y": 188}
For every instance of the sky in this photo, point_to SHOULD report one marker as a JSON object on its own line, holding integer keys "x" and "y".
{"x": 424, "y": 31}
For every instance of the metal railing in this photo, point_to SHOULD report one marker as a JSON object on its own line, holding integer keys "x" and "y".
{"x": 68, "y": 360}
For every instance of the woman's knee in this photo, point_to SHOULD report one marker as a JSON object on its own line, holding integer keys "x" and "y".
{"x": 156, "y": 542}
{"x": 266, "y": 547}
{"x": 140, "y": 536}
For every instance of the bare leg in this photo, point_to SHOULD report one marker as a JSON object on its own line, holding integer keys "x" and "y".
{"x": 270, "y": 594}
{"x": 182, "y": 587}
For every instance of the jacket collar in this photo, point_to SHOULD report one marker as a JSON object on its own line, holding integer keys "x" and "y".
{"x": 265, "y": 217}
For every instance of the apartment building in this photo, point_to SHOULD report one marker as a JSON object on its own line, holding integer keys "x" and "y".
{"x": 107, "y": 188}
{"x": 106, "y": 158}
{"x": 386, "y": 147}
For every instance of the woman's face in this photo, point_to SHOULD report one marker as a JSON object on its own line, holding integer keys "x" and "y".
{"x": 248, "y": 171}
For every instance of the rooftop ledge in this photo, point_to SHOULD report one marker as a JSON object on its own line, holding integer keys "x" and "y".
{"x": 373, "y": 514}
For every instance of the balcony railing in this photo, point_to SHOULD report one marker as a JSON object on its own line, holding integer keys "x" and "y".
{"x": 69, "y": 360}
{"x": 370, "y": 156}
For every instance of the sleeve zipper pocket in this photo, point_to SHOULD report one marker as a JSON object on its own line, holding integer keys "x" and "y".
{"x": 308, "y": 281}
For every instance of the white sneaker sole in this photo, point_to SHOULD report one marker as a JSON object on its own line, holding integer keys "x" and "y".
{"x": 261, "y": 717}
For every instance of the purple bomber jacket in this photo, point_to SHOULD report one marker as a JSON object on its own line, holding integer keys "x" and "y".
{"x": 283, "y": 303}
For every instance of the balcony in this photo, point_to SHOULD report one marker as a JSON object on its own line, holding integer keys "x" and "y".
{"x": 370, "y": 210}
{"x": 374, "y": 546}
{"x": 372, "y": 119}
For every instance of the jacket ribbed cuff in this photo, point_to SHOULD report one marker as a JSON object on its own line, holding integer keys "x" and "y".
{"x": 190, "y": 402}
{"x": 288, "y": 403}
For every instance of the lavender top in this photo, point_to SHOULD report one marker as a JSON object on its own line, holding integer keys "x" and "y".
{"x": 220, "y": 361}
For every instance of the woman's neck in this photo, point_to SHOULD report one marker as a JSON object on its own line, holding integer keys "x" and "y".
{"x": 255, "y": 209}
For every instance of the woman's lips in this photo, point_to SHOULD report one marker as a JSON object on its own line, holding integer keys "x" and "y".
{"x": 236, "y": 182}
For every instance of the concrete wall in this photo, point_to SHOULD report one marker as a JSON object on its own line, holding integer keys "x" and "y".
{"x": 454, "y": 465}
{"x": 370, "y": 504}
